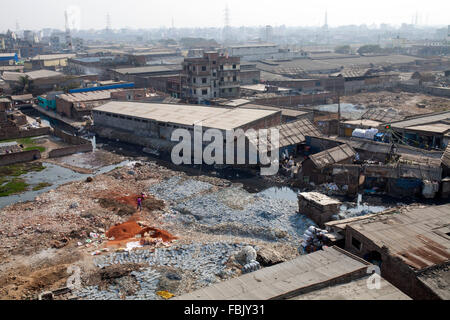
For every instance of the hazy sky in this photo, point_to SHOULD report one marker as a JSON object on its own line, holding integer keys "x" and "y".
{"x": 37, "y": 14}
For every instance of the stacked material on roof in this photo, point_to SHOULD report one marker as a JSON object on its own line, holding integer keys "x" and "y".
{"x": 332, "y": 156}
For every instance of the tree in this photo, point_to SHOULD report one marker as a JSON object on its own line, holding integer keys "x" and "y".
{"x": 369, "y": 48}
{"x": 343, "y": 49}
{"x": 25, "y": 85}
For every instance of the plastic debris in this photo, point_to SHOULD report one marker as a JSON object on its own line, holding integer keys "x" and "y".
{"x": 251, "y": 267}
{"x": 165, "y": 294}
{"x": 133, "y": 245}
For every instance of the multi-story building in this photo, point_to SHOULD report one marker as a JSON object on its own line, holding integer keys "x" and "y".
{"x": 211, "y": 76}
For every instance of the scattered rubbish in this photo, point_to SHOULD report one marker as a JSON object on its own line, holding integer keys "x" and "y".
{"x": 93, "y": 235}
{"x": 133, "y": 245}
{"x": 74, "y": 205}
{"x": 246, "y": 255}
{"x": 165, "y": 294}
{"x": 251, "y": 267}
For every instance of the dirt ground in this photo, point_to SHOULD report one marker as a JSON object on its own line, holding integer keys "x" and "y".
{"x": 63, "y": 227}
{"x": 405, "y": 102}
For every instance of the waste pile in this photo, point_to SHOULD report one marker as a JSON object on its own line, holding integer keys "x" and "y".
{"x": 232, "y": 210}
{"x": 247, "y": 258}
{"x": 314, "y": 239}
{"x": 206, "y": 264}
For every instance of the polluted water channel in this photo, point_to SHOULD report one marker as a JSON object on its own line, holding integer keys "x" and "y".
{"x": 54, "y": 176}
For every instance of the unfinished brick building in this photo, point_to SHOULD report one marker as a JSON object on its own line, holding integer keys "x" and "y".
{"x": 211, "y": 76}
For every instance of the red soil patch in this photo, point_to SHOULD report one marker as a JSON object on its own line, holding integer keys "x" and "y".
{"x": 127, "y": 231}
{"x": 131, "y": 200}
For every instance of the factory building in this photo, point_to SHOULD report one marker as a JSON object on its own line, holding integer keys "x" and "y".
{"x": 151, "y": 124}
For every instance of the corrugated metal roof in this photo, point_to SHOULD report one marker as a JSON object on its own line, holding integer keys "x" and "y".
{"x": 149, "y": 69}
{"x": 22, "y": 97}
{"x": 418, "y": 237}
{"x": 290, "y": 133}
{"x": 422, "y": 120}
{"x": 332, "y": 156}
{"x": 88, "y": 96}
{"x": 446, "y": 157}
{"x": 435, "y": 128}
{"x": 384, "y": 116}
{"x": 39, "y": 74}
{"x": 53, "y": 56}
{"x": 210, "y": 117}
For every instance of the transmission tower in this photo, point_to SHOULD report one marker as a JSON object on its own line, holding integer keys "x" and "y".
{"x": 226, "y": 29}
{"x": 68, "y": 35}
{"x": 108, "y": 22}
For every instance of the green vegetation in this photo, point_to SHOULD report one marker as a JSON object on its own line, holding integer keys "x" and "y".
{"x": 12, "y": 187}
{"x": 18, "y": 169}
{"x": 41, "y": 185}
{"x": 41, "y": 149}
{"x": 28, "y": 143}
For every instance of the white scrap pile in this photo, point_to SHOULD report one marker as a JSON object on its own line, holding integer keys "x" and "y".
{"x": 314, "y": 239}
{"x": 365, "y": 133}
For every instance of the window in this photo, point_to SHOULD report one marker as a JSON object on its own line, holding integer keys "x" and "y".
{"x": 221, "y": 67}
{"x": 234, "y": 78}
{"x": 230, "y": 89}
{"x": 194, "y": 80}
{"x": 234, "y": 66}
{"x": 214, "y": 74}
{"x": 195, "y": 91}
{"x": 203, "y": 80}
{"x": 317, "y": 83}
{"x": 204, "y": 92}
{"x": 214, "y": 62}
{"x": 193, "y": 68}
{"x": 203, "y": 68}
{"x": 356, "y": 243}
{"x": 221, "y": 79}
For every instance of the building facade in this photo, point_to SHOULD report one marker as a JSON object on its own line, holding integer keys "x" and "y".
{"x": 209, "y": 77}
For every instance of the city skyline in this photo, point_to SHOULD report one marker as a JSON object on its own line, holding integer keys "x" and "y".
{"x": 136, "y": 14}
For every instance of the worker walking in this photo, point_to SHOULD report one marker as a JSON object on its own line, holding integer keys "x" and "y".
{"x": 139, "y": 203}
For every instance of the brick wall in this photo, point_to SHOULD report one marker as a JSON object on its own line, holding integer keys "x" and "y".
{"x": 15, "y": 133}
{"x": 293, "y": 101}
{"x": 25, "y": 156}
{"x": 393, "y": 268}
{"x": 70, "y": 150}
{"x": 69, "y": 138}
